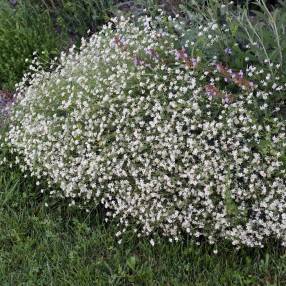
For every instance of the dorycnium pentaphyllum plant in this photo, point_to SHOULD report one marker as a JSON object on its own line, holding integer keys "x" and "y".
{"x": 167, "y": 143}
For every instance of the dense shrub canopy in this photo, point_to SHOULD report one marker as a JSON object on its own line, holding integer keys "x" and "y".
{"x": 167, "y": 143}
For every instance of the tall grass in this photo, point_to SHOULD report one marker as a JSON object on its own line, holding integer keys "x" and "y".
{"x": 45, "y": 27}
{"x": 77, "y": 16}
{"x": 24, "y": 29}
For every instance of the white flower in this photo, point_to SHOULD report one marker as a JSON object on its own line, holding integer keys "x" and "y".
{"x": 127, "y": 125}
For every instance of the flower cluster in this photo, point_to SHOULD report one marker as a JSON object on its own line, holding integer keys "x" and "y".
{"x": 135, "y": 123}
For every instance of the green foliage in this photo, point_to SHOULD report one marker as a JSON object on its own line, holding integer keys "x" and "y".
{"x": 24, "y": 29}
{"x": 260, "y": 33}
{"x": 254, "y": 37}
{"x": 45, "y": 27}
{"x": 267, "y": 29}
{"x": 42, "y": 245}
{"x": 77, "y": 16}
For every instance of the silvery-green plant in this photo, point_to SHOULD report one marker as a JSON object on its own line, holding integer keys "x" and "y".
{"x": 246, "y": 35}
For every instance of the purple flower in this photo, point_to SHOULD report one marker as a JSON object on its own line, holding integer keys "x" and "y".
{"x": 137, "y": 61}
{"x": 152, "y": 53}
{"x": 228, "y": 51}
{"x": 13, "y": 2}
{"x": 194, "y": 62}
{"x": 240, "y": 74}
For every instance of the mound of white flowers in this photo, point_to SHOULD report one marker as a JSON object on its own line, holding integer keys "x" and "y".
{"x": 134, "y": 123}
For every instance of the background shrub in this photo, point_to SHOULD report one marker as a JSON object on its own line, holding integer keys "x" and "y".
{"x": 76, "y": 17}
{"x": 24, "y": 29}
{"x": 45, "y": 27}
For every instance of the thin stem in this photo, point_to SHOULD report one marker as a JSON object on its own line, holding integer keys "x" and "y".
{"x": 274, "y": 27}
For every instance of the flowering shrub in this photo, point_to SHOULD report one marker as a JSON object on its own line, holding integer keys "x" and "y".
{"x": 167, "y": 143}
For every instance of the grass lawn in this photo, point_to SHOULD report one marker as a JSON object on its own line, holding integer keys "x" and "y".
{"x": 51, "y": 246}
